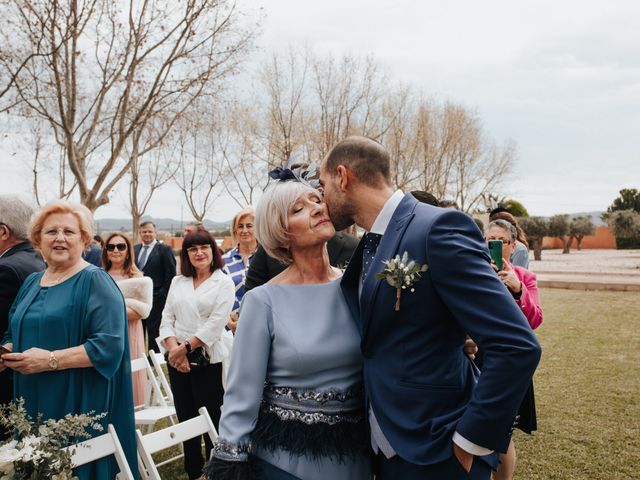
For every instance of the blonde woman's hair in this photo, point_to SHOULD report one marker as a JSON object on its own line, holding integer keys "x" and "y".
{"x": 247, "y": 212}
{"x": 271, "y": 223}
{"x": 82, "y": 214}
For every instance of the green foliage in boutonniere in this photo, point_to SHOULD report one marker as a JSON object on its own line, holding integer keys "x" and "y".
{"x": 401, "y": 273}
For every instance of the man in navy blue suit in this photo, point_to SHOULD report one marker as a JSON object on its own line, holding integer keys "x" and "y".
{"x": 431, "y": 415}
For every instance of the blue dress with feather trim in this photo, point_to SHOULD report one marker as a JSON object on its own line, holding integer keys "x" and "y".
{"x": 294, "y": 398}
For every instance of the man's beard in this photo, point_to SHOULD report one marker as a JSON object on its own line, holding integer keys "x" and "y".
{"x": 341, "y": 215}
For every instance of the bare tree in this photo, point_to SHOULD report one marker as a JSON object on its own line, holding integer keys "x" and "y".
{"x": 110, "y": 67}
{"x": 245, "y": 161}
{"x": 151, "y": 168}
{"x": 198, "y": 172}
{"x": 348, "y": 95}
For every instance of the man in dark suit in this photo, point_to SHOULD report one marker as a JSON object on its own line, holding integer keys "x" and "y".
{"x": 18, "y": 259}
{"x": 156, "y": 261}
{"x": 431, "y": 415}
{"x": 263, "y": 268}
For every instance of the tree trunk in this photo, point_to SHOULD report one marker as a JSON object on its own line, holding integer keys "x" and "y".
{"x": 536, "y": 244}
{"x": 136, "y": 218}
{"x": 567, "y": 244}
{"x": 537, "y": 251}
{"x": 578, "y": 242}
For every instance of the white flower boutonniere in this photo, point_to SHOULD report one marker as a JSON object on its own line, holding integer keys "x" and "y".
{"x": 401, "y": 273}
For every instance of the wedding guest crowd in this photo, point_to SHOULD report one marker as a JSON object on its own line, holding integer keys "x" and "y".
{"x": 68, "y": 329}
{"x": 310, "y": 344}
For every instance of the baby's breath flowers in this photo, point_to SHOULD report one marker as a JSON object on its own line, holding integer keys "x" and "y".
{"x": 401, "y": 273}
{"x": 37, "y": 451}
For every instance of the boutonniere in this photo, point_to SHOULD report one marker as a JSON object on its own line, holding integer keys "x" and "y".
{"x": 401, "y": 273}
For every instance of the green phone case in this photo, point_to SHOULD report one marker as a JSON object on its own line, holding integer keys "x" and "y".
{"x": 495, "y": 250}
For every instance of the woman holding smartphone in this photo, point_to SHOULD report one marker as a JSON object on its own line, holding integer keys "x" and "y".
{"x": 524, "y": 288}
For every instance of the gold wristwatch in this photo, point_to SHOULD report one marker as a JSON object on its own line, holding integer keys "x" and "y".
{"x": 53, "y": 361}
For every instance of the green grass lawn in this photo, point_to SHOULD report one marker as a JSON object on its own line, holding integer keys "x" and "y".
{"x": 587, "y": 388}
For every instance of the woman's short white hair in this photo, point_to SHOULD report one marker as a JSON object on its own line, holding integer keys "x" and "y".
{"x": 272, "y": 212}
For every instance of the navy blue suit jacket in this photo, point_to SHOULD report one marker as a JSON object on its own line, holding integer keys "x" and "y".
{"x": 419, "y": 383}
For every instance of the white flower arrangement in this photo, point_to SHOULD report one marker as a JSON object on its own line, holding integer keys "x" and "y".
{"x": 401, "y": 273}
{"x": 37, "y": 451}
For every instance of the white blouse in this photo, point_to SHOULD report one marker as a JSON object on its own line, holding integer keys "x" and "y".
{"x": 202, "y": 312}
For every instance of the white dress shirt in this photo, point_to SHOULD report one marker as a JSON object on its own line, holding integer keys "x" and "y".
{"x": 380, "y": 226}
{"x": 202, "y": 312}
{"x": 149, "y": 250}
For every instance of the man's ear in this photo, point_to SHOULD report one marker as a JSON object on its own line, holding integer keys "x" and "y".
{"x": 344, "y": 177}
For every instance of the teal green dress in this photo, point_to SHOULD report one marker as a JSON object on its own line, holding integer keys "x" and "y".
{"x": 86, "y": 309}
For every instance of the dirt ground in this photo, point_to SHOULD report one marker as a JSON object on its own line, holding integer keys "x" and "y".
{"x": 585, "y": 269}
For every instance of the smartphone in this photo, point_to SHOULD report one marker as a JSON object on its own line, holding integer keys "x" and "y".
{"x": 495, "y": 250}
{"x": 4, "y": 350}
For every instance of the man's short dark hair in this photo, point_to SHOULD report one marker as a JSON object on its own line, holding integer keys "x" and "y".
{"x": 425, "y": 197}
{"x": 449, "y": 204}
{"x": 364, "y": 156}
{"x": 147, "y": 222}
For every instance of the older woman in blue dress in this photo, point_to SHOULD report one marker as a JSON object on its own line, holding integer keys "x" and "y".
{"x": 68, "y": 334}
{"x": 294, "y": 403}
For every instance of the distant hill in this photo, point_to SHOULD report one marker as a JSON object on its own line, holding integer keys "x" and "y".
{"x": 165, "y": 224}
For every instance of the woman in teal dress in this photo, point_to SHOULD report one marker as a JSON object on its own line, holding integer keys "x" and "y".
{"x": 68, "y": 334}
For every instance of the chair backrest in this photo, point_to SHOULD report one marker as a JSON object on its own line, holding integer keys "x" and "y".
{"x": 170, "y": 436}
{"x": 100, "y": 447}
{"x": 158, "y": 360}
{"x": 142, "y": 365}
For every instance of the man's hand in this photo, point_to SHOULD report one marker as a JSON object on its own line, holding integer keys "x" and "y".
{"x": 470, "y": 348}
{"x": 464, "y": 457}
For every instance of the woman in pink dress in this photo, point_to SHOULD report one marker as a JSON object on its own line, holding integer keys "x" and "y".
{"x": 137, "y": 290}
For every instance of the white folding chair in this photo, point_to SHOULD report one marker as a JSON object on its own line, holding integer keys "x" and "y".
{"x": 149, "y": 413}
{"x": 100, "y": 447}
{"x": 158, "y": 360}
{"x": 168, "y": 437}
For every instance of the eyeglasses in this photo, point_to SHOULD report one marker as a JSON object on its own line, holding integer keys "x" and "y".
{"x": 199, "y": 248}
{"x": 54, "y": 232}
{"x": 120, "y": 246}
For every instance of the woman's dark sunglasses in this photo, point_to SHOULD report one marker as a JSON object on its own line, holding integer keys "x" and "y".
{"x": 120, "y": 246}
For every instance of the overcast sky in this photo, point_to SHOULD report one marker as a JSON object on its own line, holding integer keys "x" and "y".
{"x": 562, "y": 79}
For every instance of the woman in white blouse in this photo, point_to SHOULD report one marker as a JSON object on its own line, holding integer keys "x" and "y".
{"x": 198, "y": 307}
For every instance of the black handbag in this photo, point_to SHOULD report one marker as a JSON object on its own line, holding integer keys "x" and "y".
{"x": 198, "y": 357}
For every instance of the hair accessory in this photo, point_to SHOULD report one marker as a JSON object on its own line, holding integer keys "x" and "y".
{"x": 299, "y": 172}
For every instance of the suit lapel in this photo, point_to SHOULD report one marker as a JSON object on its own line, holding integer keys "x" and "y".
{"x": 387, "y": 249}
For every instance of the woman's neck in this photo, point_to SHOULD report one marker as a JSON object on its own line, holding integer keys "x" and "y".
{"x": 311, "y": 266}
{"x": 55, "y": 274}
{"x": 202, "y": 274}
{"x": 118, "y": 271}
{"x": 247, "y": 248}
